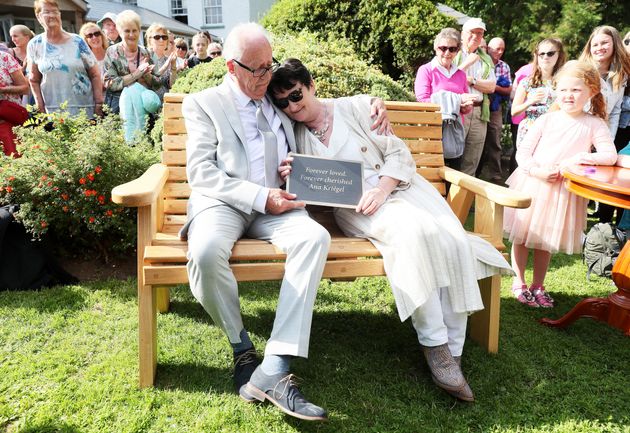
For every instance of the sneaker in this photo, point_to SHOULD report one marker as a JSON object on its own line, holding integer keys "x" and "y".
{"x": 524, "y": 296}
{"x": 542, "y": 297}
{"x": 245, "y": 363}
{"x": 281, "y": 390}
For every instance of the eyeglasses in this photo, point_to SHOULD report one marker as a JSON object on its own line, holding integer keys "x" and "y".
{"x": 260, "y": 72}
{"x": 181, "y": 47}
{"x": 50, "y": 13}
{"x": 216, "y": 53}
{"x": 450, "y": 49}
{"x": 295, "y": 96}
{"x": 158, "y": 37}
{"x": 548, "y": 54}
{"x": 92, "y": 35}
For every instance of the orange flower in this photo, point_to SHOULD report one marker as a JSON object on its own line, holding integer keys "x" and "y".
{"x": 98, "y": 169}
{"x": 9, "y": 189}
{"x": 64, "y": 196}
{"x": 11, "y": 178}
{"x": 82, "y": 181}
{"x": 92, "y": 219}
{"x": 101, "y": 199}
{"x": 44, "y": 224}
{"x": 49, "y": 183}
{"x": 44, "y": 177}
{"x": 109, "y": 213}
{"x": 90, "y": 176}
{"x": 65, "y": 208}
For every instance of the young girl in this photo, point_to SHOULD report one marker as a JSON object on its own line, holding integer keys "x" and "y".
{"x": 534, "y": 95}
{"x": 556, "y": 219}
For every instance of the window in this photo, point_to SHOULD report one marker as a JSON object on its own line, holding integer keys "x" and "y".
{"x": 178, "y": 7}
{"x": 213, "y": 11}
{"x": 130, "y": 2}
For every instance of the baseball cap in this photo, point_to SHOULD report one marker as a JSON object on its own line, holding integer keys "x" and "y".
{"x": 474, "y": 23}
{"x": 107, "y": 16}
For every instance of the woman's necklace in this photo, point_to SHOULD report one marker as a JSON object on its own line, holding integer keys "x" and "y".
{"x": 321, "y": 133}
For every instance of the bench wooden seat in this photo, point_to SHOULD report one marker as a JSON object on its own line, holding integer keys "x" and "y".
{"x": 161, "y": 195}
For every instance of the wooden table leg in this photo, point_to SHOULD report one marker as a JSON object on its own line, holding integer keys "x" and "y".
{"x": 615, "y": 310}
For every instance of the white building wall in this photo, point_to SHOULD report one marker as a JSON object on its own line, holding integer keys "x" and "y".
{"x": 234, "y": 12}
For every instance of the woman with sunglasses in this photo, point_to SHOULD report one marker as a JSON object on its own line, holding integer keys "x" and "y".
{"x": 165, "y": 61}
{"x": 62, "y": 66}
{"x": 431, "y": 263}
{"x": 535, "y": 94}
{"x": 127, "y": 62}
{"x": 181, "y": 50}
{"x": 442, "y": 82}
{"x": 94, "y": 38}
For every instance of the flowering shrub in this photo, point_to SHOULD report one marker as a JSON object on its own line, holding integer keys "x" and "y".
{"x": 64, "y": 178}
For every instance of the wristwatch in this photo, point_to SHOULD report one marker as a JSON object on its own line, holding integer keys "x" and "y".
{"x": 474, "y": 81}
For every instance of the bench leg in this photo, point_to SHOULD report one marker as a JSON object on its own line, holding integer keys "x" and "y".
{"x": 163, "y": 298}
{"x": 147, "y": 329}
{"x": 484, "y": 325}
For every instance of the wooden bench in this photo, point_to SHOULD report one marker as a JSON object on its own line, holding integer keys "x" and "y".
{"x": 162, "y": 192}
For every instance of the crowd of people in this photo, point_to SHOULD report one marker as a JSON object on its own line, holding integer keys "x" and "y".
{"x": 85, "y": 71}
{"x": 240, "y": 134}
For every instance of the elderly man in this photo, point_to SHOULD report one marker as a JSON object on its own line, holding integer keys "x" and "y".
{"x": 492, "y": 149}
{"x": 481, "y": 81}
{"x": 108, "y": 24}
{"x": 236, "y": 139}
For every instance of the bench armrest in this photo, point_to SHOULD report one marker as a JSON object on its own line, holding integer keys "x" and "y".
{"x": 495, "y": 193}
{"x": 142, "y": 191}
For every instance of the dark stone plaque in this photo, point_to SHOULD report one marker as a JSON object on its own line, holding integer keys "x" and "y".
{"x": 326, "y": 182}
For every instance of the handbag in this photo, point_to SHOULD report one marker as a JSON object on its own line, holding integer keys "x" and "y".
{"x": 453, "y": 138}
{"x": 13, "y": 113}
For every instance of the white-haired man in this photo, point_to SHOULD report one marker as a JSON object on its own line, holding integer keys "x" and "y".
{"x": 481, "y": 81}
{"x": 236, "y": 140}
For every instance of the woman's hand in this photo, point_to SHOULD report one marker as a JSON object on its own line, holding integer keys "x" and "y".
{"x": 371, "y": 200}
{"x": 537, "y": 96}
{"x": 145, "y": 68}
{"x": 468, "y": 99}
{"x": 284, "y": 170}
{"x": 378, "y": 113}
{"x": 548, "y": 174}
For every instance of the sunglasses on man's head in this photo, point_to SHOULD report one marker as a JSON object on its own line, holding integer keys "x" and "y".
{"x": 158, "y": 37}
{"x": 92, "y": 35}
{"x": 295, "y": 96}
{"x": 548, "y": 54}
{"x": 451, "y": 49}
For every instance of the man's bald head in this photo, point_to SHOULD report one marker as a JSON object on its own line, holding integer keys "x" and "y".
{"x": 496, "y": 48}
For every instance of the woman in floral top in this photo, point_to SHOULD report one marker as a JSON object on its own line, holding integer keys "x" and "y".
{"x": 535, "y": 94}
{"x": 63, "y": 69}
{"x": 126, "y": 62}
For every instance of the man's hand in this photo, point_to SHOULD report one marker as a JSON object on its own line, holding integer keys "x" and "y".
{"x": 280, "y": 201}
{"x": 284, "y": 170}
{"x": 378, "y": 112}
{"x": 371, "y": 200}
{"x": 470, "y": 60}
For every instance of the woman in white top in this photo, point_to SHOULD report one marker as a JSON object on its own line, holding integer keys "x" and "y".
{"x": 605, "y": 51}
{"x": 431, "y": 263}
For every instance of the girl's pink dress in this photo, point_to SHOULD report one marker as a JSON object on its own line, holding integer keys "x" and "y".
{"x": 556, "y": 219}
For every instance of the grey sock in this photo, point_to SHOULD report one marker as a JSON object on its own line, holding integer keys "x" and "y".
{"x": 245, "y": 343}
{"x": 275, "y": 364}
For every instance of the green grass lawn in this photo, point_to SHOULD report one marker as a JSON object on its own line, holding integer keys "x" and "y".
{"x": 68, "y": 363}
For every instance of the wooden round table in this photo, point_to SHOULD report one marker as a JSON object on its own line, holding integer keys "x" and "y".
{"x": 610, "y": 185}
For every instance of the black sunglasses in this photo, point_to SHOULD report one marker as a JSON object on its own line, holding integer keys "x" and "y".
{"x": 451, "y": 49}
{"x": 158, "y": 37}
{"x": 548, "y": 54}
{"x": 92, "y": 35}
{"x": 181, "y": 47}
{"x": 295, "y": 96}
{"x": 260, "y": 72}
{"x": 215, "y": 53}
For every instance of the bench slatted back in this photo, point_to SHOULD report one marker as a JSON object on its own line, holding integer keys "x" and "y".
{"x": 418, "y": 124}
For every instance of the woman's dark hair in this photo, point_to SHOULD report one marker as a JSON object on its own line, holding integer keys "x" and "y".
{"x": 285, "y": 76}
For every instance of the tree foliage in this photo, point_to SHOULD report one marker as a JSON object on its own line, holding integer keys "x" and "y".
{"x": 396, "y": 35}
{"x": 522, "y": 23}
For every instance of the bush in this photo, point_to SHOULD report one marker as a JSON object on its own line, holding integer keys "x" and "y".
{"x": 63, "y": 180}
{"x": 335, "y": 67}
{"x": 396, "y": 35}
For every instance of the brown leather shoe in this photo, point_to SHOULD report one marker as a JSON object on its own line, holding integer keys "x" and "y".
{"x": 446, "y": 373}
